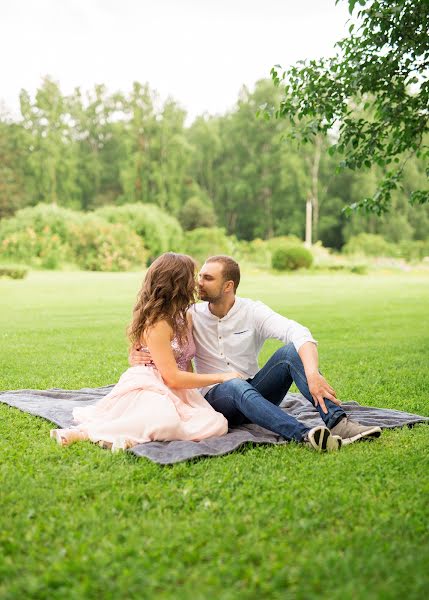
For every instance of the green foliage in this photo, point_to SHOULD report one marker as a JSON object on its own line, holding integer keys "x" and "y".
{"x": 359, "y": 269}
{"x": 99, "y": 146}
{"x": 256, "y": 253}
{"x": 48, "y": 236}
{"x": 414, "y": 250}
{"x": 259, "y": 252}
{"x": 251, "y": 185}
{"x": 207, "y": 241}
{"x": 197, "y": 213}
{"x": 160, "y": 231}
{"x": 154, "y": 165}
{"x": 47, "y": 128}
{"x": 374, "y": 88}
{"x": 86, "y": 151}
{"x": 13, "y": 272}
{"x": 13, "y": 193}
{"x": 39, "y": 236}
{"x": 370, "y": 245}
{"x": 43, "y": 249}
{"x": 291, "y": 258}
{"x": 283, "y": 241}
{"x": 102, "y": 246}
{"x": 40, "y": 218}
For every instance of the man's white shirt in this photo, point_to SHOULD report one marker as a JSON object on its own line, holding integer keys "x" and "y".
{"x": 234, "y": 342}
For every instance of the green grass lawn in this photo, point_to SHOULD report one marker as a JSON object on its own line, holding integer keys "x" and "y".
{"x": 264, "y": 522}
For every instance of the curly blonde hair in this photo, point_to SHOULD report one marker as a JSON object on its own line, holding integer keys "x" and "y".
{"x": 167, "y": 292}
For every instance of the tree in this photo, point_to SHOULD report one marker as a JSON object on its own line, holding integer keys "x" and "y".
{"x": 99, "y": 146}
{"x": 197, "y": 213}
{"x": 12, "y": 177}
{"x": 380, "y": 69}
{"x": 157, "y": 151}
{"x": 47, "y": 138}
{"x": 204, "y": 137}
{"x": 250, "y": 167}
{"x": 140, "y": 127}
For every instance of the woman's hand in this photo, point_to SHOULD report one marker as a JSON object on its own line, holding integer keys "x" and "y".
{"x": 231, "y": 375}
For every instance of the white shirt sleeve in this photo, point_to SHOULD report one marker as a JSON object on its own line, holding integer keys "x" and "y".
{"x": 272, "y": 325}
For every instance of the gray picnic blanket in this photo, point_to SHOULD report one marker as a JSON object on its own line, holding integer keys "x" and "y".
{"x": 56, "y": 405}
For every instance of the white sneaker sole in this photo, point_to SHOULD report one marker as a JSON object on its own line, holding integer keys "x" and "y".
{"x": 321, "y": 440}
{"x": 370, "y": 434}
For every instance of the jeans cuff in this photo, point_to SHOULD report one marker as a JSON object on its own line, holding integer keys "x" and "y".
{"x": 335, "y": 418}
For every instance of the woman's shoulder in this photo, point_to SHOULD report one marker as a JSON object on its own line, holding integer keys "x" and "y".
{"x": 160, "y": 329}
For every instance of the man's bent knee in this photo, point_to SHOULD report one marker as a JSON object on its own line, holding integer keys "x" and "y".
{"x": 288, "y": 352}
{"x": 234, "y": 386}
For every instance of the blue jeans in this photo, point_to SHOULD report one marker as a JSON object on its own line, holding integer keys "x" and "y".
{"x": 257, "y": 400}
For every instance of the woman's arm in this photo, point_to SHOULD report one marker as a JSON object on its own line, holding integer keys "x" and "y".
{"x": 190, "y": 367}
{"x": 158, "y": 340}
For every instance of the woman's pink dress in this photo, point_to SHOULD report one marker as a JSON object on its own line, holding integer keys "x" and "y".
{"x": 141, "y": 408}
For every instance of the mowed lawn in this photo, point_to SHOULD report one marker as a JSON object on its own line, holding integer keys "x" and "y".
{"x": 263, "y": 522}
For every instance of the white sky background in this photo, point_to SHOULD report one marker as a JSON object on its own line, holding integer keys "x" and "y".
{"x": 199, "y": 52}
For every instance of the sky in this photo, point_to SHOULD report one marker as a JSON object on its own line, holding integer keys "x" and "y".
{"x": 199, "y": 52}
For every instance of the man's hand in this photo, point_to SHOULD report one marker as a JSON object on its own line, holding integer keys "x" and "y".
{"x": 320, "y": 389}
{"x": 139, "y": 356}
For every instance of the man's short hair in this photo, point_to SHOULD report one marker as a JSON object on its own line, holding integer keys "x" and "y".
{"x": 230, "y": 268}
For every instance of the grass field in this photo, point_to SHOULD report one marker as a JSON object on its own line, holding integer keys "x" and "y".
{"x": 264, "y": 522}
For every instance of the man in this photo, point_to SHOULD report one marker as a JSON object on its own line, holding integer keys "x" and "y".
{"x": 229, "y": 332}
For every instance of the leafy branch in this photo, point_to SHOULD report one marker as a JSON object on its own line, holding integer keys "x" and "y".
{"x": 373, "y": 95}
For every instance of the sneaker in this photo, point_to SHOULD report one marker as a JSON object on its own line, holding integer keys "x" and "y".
{"x": 320, "y": 439}
{"x": 350, "y": 431}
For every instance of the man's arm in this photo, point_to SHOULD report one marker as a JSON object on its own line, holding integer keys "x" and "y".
{"x": 158, "y": 339}
{"x": 317, "y": 384}
{"x": 273, "y": 325}
{"x": 137, "y": 356}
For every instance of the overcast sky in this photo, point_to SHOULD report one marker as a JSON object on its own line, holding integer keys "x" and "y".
{"x": 198, "y": 51}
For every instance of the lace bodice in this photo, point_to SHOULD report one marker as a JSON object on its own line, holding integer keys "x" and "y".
{"x": 183, "y": 353}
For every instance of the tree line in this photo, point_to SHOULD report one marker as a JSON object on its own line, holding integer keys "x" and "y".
{"x": 236, "y": 171}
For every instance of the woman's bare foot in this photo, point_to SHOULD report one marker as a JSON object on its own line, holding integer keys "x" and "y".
{"x": 104, "y": 444}
{"x": 65, "y": 437}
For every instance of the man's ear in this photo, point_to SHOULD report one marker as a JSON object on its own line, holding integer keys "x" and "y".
{"x": 229, "y": 286}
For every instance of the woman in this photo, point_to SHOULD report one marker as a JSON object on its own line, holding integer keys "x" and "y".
{"x": 159, "y": 402}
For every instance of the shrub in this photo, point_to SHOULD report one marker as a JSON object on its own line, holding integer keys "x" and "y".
{"x": 197, "y": 213}
{"x": 290, "y": 258}
{"x": 14, "y": 272}
{"x": 160, "y": 232}
{"x": 370, "y": 244}
{"x": 38, "y": 235}
{"x": 102, "y": 246}
{"x": 41, "y": 249}
{"x": 207, "y": 241}
{"x": 255, "y": 252}
{"x": 415, "y": 250}
{"x": 359, "y": 269}
{"x": 47, "y": 236}
{"x": 41, "y": 219}
{"x": 282, "y": 241}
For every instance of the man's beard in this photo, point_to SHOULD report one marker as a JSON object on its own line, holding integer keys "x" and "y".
{"x": 206, "y": 298}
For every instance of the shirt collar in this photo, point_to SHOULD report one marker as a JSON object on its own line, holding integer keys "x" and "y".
{"x": 234, "y": 308}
